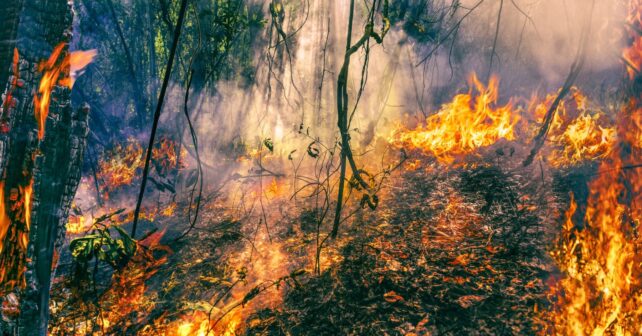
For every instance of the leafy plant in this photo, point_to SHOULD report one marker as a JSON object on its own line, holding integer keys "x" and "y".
{"x": 102, "y": 245}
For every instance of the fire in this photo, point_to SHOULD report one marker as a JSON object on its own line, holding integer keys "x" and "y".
{"x": 467, "y": 123}
{"x": 5, "y": 221}
{"x": 601, "y": 291}
{"x": 15, "y": 222}
{"x": 57, "y": 72}
{"x": 78, "y": 60}
{"x": 166, "y": 157}
{"x": 196, "y": 325}
{"x": 76, "y": 224}
{"x": 577, "y": 135}
{"x": 584, "y": 139}
{"x": 127, "y": 292}
{"x": 26, "y": 192}
{"x": 169, "y": 210}
{"x": 120, "y": 164}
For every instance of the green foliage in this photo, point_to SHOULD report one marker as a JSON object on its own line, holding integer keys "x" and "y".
{"x": 229, "y": 29}
{"x": 102, "y": 245}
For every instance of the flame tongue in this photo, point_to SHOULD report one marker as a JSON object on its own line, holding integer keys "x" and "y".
{"x": 463, "y": 125}
{"x": 577, "y": 135}
{"x": 602, "y": 292}
{"x": 57, "y": 71}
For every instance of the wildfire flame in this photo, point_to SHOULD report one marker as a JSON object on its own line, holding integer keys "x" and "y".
{"x": 5, "y": 221}
{"x": 576, "y": 134}
{"x": 56, "y": 71}
{"x": 601, "y": 292}
{"x": 15, "y": 222}
{"x": 76, "y": 224}
{"x": 119, "y": 165}
{"x": 127, "y": 291}
{"x": 467, "y": 123}
{"x": 166, "y": 157}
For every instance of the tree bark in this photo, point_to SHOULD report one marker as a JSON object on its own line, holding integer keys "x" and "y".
{"x": 50, "y": 167}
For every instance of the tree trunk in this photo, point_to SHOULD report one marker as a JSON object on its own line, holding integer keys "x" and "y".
{"x": 39, "y": 176}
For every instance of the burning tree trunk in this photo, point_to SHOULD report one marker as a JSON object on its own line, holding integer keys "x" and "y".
{"x": 41, "y": 146}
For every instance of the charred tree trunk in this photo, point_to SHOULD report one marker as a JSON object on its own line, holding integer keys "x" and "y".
{"x": 39, "y": 174}
{"x": 8, "y": 26}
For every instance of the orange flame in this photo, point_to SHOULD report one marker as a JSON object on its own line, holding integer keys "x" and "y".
{"x": 79, "y": 60}
{"x": 127, "y": 291}
{"x": 119, "y": 165}
{"x": 576, "y": 134}
{"x": 166, "y": 157}
{"x": 56, "y": 71}
{"x": 5, "y": 221}
{"x": 467, "y": 123}
{"x": 76, "y": 224}
{"x": 14, "y": 237}
{"x": 601, "y": 292}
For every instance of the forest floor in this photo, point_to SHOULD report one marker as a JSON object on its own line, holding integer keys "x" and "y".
{"x": 449, "y": 253}
{"x": 456, "y": 251}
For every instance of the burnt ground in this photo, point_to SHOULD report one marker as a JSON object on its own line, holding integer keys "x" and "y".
{"x": 459, "y": 251}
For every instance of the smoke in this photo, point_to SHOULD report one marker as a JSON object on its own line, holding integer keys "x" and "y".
{"x": 291, "y": 98}
{"x": 537, "y": 40}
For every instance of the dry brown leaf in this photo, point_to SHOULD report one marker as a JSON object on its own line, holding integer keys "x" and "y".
{"x": 392, "y": 297}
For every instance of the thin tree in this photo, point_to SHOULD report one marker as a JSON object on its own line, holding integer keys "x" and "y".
{"x": 157, "y": 113}
{"x": 344, "y": 118}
